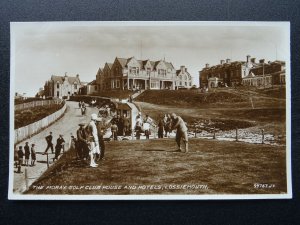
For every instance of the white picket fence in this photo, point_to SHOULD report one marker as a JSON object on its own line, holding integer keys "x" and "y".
{"x": 37, "y": 103}
{"x": 31, "y": 129}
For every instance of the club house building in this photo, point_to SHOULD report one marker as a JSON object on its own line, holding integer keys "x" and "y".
{"x": 133, "y": 74}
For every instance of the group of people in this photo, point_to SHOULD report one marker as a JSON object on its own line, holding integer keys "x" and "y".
{"x": 22, "y": 156}
{"x": 143, "y": 125}
{"x": 120, "y": 126}
{"x": 89, "y": 143}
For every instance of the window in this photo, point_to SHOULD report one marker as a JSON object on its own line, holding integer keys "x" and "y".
{"x": 96, "y": 87}
{"x": 57, "y": 85}
{"x": 57, "y": 93}
{"x": 190, "y": 83}
{"x": 185, "y": 83}
{"x": 134, "y": 70}
{"x": 161, "y": 72}
{"x": 117, "y": 83}
{"x": 75, "y": 85}
{"x": 155, "y": 84}
{"x": 148, "y": 71}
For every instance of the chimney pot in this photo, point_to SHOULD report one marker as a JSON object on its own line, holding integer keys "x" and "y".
{"x": 227, "y": 60}
{"x": 206, "y": 65}
{"x": 222, "y": 61}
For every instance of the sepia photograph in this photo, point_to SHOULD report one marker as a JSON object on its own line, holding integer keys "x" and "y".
{"x": 150, "y": 110}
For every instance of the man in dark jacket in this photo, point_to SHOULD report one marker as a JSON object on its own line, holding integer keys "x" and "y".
{"x": 82, "y": 151}
{"x": 59, "y": 145}
{"x": 126, "y": 125}
{"x": 49, "y": 143}
{"x": 20, "y": 155}
{"x": 101, "y": 128}
{"x": 27, "y": 153}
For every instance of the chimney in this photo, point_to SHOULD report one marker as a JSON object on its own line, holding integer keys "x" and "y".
{"x": 227, "y": 60}
{"x": 206, "y": 65}
{"x": 253, "y": 60}
{"x": 248, "y": 58}
{"x": 77, "y": 75}
{"x": 182, "y": 68}
{"x": 262, "y": 61}
{"x": 222, "y": 61}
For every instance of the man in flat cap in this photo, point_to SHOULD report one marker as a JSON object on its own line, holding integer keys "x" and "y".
{"x": 81, "y": 142}
{"x": 181, "y": 131}
{"x": 93, "y": 139}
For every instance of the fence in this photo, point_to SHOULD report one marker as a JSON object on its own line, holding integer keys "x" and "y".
{"x": 31, "y": 129}
{"x": 37, "y": 103}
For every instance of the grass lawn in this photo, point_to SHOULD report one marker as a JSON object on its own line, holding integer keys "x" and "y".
{"x": 27, "y": 116}
{"x": 223, "y": 167}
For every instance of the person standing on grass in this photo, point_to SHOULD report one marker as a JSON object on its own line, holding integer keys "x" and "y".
{"x": 49, "y": 143}
{"x": 146, "y": 126}
{"x": 160, "y": 132}
{"x": 81, "y": 150}
{"x": 181, "y": 131}
{"x": 33, "y": 155}
{"x": 27, "y": 153}
{"x": 114, "y": 131}
{"x": 59, "y": 145}
{"x": 20, "y": 155}
{"x": 126, "y": 125}
{"x": 138, "y": 127}
{"x": 93, "y": 139}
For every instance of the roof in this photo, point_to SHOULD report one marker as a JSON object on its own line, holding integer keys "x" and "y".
{"x": 124, "y": 62}
{"x": 92, "y": 82}
{"x": 109, "y": 65}
{"x": 61, "y": 79}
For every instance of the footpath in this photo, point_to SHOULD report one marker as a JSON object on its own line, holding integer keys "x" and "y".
{"x": 66, "y": 126}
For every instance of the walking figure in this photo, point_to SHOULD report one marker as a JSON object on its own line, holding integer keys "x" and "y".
{"x": 49, "y": 143}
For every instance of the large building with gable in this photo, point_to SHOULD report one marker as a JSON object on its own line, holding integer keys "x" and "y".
{"x": 249, "y": 72}
{"x": 62, "y": 86}
{"x": 133, "y": 74}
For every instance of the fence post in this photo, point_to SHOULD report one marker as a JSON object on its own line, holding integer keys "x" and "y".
{"x": 262, "y": 136}
{"x": 47, "y": 160}
{"x": 195, "y": 131}
{"x": 236, "y": 134}
{"x": 26, "y": 179}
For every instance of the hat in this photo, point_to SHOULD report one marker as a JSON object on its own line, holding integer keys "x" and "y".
{"x": 81, "y": 124}
{"x": 95, "y": 117}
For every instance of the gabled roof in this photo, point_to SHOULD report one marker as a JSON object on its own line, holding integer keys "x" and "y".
{"x": 61, "y": 79}
{"x": 109, "y": 65}
{"x": 122, "y": 61}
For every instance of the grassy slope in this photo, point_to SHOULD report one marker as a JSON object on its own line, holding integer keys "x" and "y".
{"x": 226, "y": 167}
{"x": 229, "y": 106}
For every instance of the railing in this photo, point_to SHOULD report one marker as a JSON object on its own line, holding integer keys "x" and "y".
{"x": 33, "y": 128}
{"x": 36, "y": 103}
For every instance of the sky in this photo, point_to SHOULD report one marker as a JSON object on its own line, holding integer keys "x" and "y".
{"x": 42, "y": 49}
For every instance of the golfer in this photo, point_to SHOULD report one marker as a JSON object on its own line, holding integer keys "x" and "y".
{"x": 181, "y": 133}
